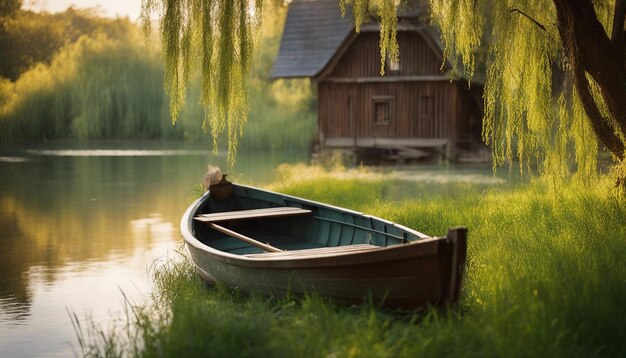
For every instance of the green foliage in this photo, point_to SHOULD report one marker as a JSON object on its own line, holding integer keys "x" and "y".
{"x": 94, "y": 88}
{"x": 528, "y": 115}
{"x": 386, "y": 10}
{"x": 217, "y": 36}
{"x": 9, "y": 7}
{"x": 107, "y": 84}
{"x": 80, "y": 76}
{"x": 388, "y": 27}
{"x": 274, "y": 129}
{"x": 282, "y": 112}
{"x": 545, "y": 277}
{"x": 30, "y": 38}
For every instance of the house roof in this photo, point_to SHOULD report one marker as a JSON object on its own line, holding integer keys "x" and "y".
{"x": 314, "y": 30}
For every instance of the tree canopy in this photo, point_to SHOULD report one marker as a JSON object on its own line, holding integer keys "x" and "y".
{"x": 529, "y": 43}
{"x": 9, "y": 7}
{"x": 28, "y": 38}
{"x": 555, "y": 69}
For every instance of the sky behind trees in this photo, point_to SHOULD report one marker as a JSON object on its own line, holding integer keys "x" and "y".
{"x": 109, "y": 8}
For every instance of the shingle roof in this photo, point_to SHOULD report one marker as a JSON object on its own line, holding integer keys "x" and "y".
{"x": 314, "y": 30}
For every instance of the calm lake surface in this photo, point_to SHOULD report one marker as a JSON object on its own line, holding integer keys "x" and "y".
{"x": 82, "y": 223}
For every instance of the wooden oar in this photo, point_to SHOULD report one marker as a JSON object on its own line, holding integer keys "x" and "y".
{"x": 236, "y": 235}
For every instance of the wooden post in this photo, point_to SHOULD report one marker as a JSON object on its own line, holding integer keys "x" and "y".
{"x": 458, "y": 241}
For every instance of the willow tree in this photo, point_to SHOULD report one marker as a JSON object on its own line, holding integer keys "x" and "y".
{"x": 216, "y": 36}
{"x": 527, "y": 115}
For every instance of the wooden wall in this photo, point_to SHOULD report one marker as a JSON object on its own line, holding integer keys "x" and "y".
{"x": 417, "y": 110}
{"x": 422, "y": 103}
{"x": 362, "y": 58}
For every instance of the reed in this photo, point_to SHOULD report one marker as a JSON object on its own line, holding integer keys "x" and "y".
{"x": 545, "y": 277}
{"x": 96, "y": 87}
{"x": 281, "y": 115}
{"x": 108, "y": 84}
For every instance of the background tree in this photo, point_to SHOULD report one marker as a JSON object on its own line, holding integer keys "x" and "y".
{"x": 28, "y": 38}
{"x": 9, "y": 7}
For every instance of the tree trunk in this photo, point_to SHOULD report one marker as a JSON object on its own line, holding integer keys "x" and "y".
{"x": 591, "y": 52}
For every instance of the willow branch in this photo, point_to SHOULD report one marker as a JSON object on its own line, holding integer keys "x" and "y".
{"x": 619, "y": 14}
{"x": 603, "y": 130}
{"x": 529, "y": 18}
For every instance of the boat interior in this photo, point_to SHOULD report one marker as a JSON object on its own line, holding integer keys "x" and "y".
{"x": 284, "y": 223}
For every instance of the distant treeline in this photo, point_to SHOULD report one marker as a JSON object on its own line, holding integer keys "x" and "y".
{"x": 80, "y": 76}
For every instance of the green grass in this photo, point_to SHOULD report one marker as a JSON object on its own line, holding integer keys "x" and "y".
{"x": 546, "y": 276}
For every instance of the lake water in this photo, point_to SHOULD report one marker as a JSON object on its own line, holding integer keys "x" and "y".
{"x": 82, "y": 223}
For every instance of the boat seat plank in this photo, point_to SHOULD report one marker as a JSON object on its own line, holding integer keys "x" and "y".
{"x": 322, "y": 251}
{"x": 252, "y": 214}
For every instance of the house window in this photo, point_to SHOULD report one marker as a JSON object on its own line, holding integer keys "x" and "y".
{"x": 382, "y": 109}
{"x": 382, "y": 112}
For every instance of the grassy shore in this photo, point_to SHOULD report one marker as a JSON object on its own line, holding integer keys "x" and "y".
{"x": 546, "y": 276}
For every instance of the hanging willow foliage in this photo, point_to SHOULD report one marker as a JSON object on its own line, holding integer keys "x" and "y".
{"x": 386, "y": 12}
{"x": 218, "y": 37}
{"x": 528, "y": 116}
{"x": 555, "y": 79}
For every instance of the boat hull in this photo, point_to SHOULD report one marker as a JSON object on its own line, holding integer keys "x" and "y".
{"x": 419, "y": 273}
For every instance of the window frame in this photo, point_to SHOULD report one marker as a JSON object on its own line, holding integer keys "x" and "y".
{"x": 386, "y": 101}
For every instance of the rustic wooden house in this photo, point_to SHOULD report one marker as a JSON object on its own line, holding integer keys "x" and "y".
{"x": 414, "y": 109}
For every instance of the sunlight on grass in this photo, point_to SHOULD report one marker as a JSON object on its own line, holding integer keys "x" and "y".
{"x": 545, "y": 277}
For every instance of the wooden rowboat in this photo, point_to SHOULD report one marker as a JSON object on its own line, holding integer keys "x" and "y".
{"x": 275, "y": 244}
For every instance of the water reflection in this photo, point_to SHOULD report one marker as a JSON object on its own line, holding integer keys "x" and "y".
{"x": 79, "y": 224}
{"x": 15, "y": 310}
{"x": 15, "y": 297}
{"x": 116, "y": 152}
{"x": 13, "y": 159}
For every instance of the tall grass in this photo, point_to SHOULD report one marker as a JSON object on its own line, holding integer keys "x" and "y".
{"x": 545, "y": 277}
{"x": 108, "y": 84}
{"x": 96, "y": 87}
{"x": 281, "y": 115}
{"x": 282, "y": 120}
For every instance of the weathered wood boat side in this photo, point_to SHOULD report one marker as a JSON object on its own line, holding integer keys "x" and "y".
{"x": 335, "y": 252}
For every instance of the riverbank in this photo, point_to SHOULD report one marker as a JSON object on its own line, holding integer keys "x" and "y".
{"x": 545, "y": 277}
